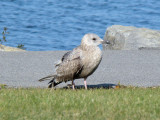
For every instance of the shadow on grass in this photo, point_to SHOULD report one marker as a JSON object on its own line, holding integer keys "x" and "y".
{"x": 98, "y": 86}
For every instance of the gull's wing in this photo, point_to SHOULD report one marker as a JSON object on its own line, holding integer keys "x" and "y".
{"x": 71, "y": 65}
{"x": 70, "y": 55}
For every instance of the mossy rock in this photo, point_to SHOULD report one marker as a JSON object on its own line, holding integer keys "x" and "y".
{"x": 7, "y": 48}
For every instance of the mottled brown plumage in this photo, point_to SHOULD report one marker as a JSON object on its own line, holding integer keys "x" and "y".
{"x": 78, "y": 63}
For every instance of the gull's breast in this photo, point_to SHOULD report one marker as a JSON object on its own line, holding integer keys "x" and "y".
{"x": 91, "y": 61}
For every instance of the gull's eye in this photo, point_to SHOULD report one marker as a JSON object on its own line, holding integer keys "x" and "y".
{"x": 94, "y": 39}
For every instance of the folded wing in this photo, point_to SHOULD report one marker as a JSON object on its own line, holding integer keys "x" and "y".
{"x": 70, "y": 67}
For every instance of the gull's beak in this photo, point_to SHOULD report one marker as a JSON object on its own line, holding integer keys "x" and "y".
{"x": 101, "y": 41}
{"x": 104, "y": 41}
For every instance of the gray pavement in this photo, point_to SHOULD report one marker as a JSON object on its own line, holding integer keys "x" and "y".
{"x": 136, "y": 68}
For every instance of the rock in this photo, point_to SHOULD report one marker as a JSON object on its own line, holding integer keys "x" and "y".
{"x": 6, "y": 48}
{"x": 131, "y": 38}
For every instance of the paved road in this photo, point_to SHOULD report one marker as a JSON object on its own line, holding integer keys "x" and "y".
{"x": 136, "y": 68}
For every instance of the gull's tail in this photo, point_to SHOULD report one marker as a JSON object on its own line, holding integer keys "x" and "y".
{"x": 53, "y": 82}
{"x": 48, "y": 78}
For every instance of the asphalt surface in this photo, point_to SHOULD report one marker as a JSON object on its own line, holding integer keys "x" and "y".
{"x": 136, "y": 68}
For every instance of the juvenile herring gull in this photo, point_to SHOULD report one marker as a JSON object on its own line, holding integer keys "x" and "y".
{"x": 78, "y": 63}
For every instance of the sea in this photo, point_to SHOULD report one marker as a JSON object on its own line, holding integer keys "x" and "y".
{"x": 47, "y": 25}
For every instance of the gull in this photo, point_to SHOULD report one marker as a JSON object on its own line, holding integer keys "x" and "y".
{"x": 81, "y": 62}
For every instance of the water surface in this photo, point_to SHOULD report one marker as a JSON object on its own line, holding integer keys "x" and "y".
{"x": 43, "y": 25}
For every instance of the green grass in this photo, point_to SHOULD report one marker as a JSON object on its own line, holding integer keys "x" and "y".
{"x": 95, "y": 104}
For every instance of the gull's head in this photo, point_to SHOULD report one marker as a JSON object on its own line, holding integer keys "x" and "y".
{"x": 91, "y": 39}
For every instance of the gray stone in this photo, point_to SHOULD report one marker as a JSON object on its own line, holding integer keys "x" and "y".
{"x": 131, "y": 38}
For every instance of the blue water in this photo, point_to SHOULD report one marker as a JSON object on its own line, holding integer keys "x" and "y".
{"x": 43, "y": 25}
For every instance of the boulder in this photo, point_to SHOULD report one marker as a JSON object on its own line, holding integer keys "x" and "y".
{"x": 131, "y": 38}
{"x": 6, "y": 48}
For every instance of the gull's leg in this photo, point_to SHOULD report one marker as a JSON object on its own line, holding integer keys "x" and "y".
{"x": 85, "y": 83}
{"x": 73, "y": 84}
